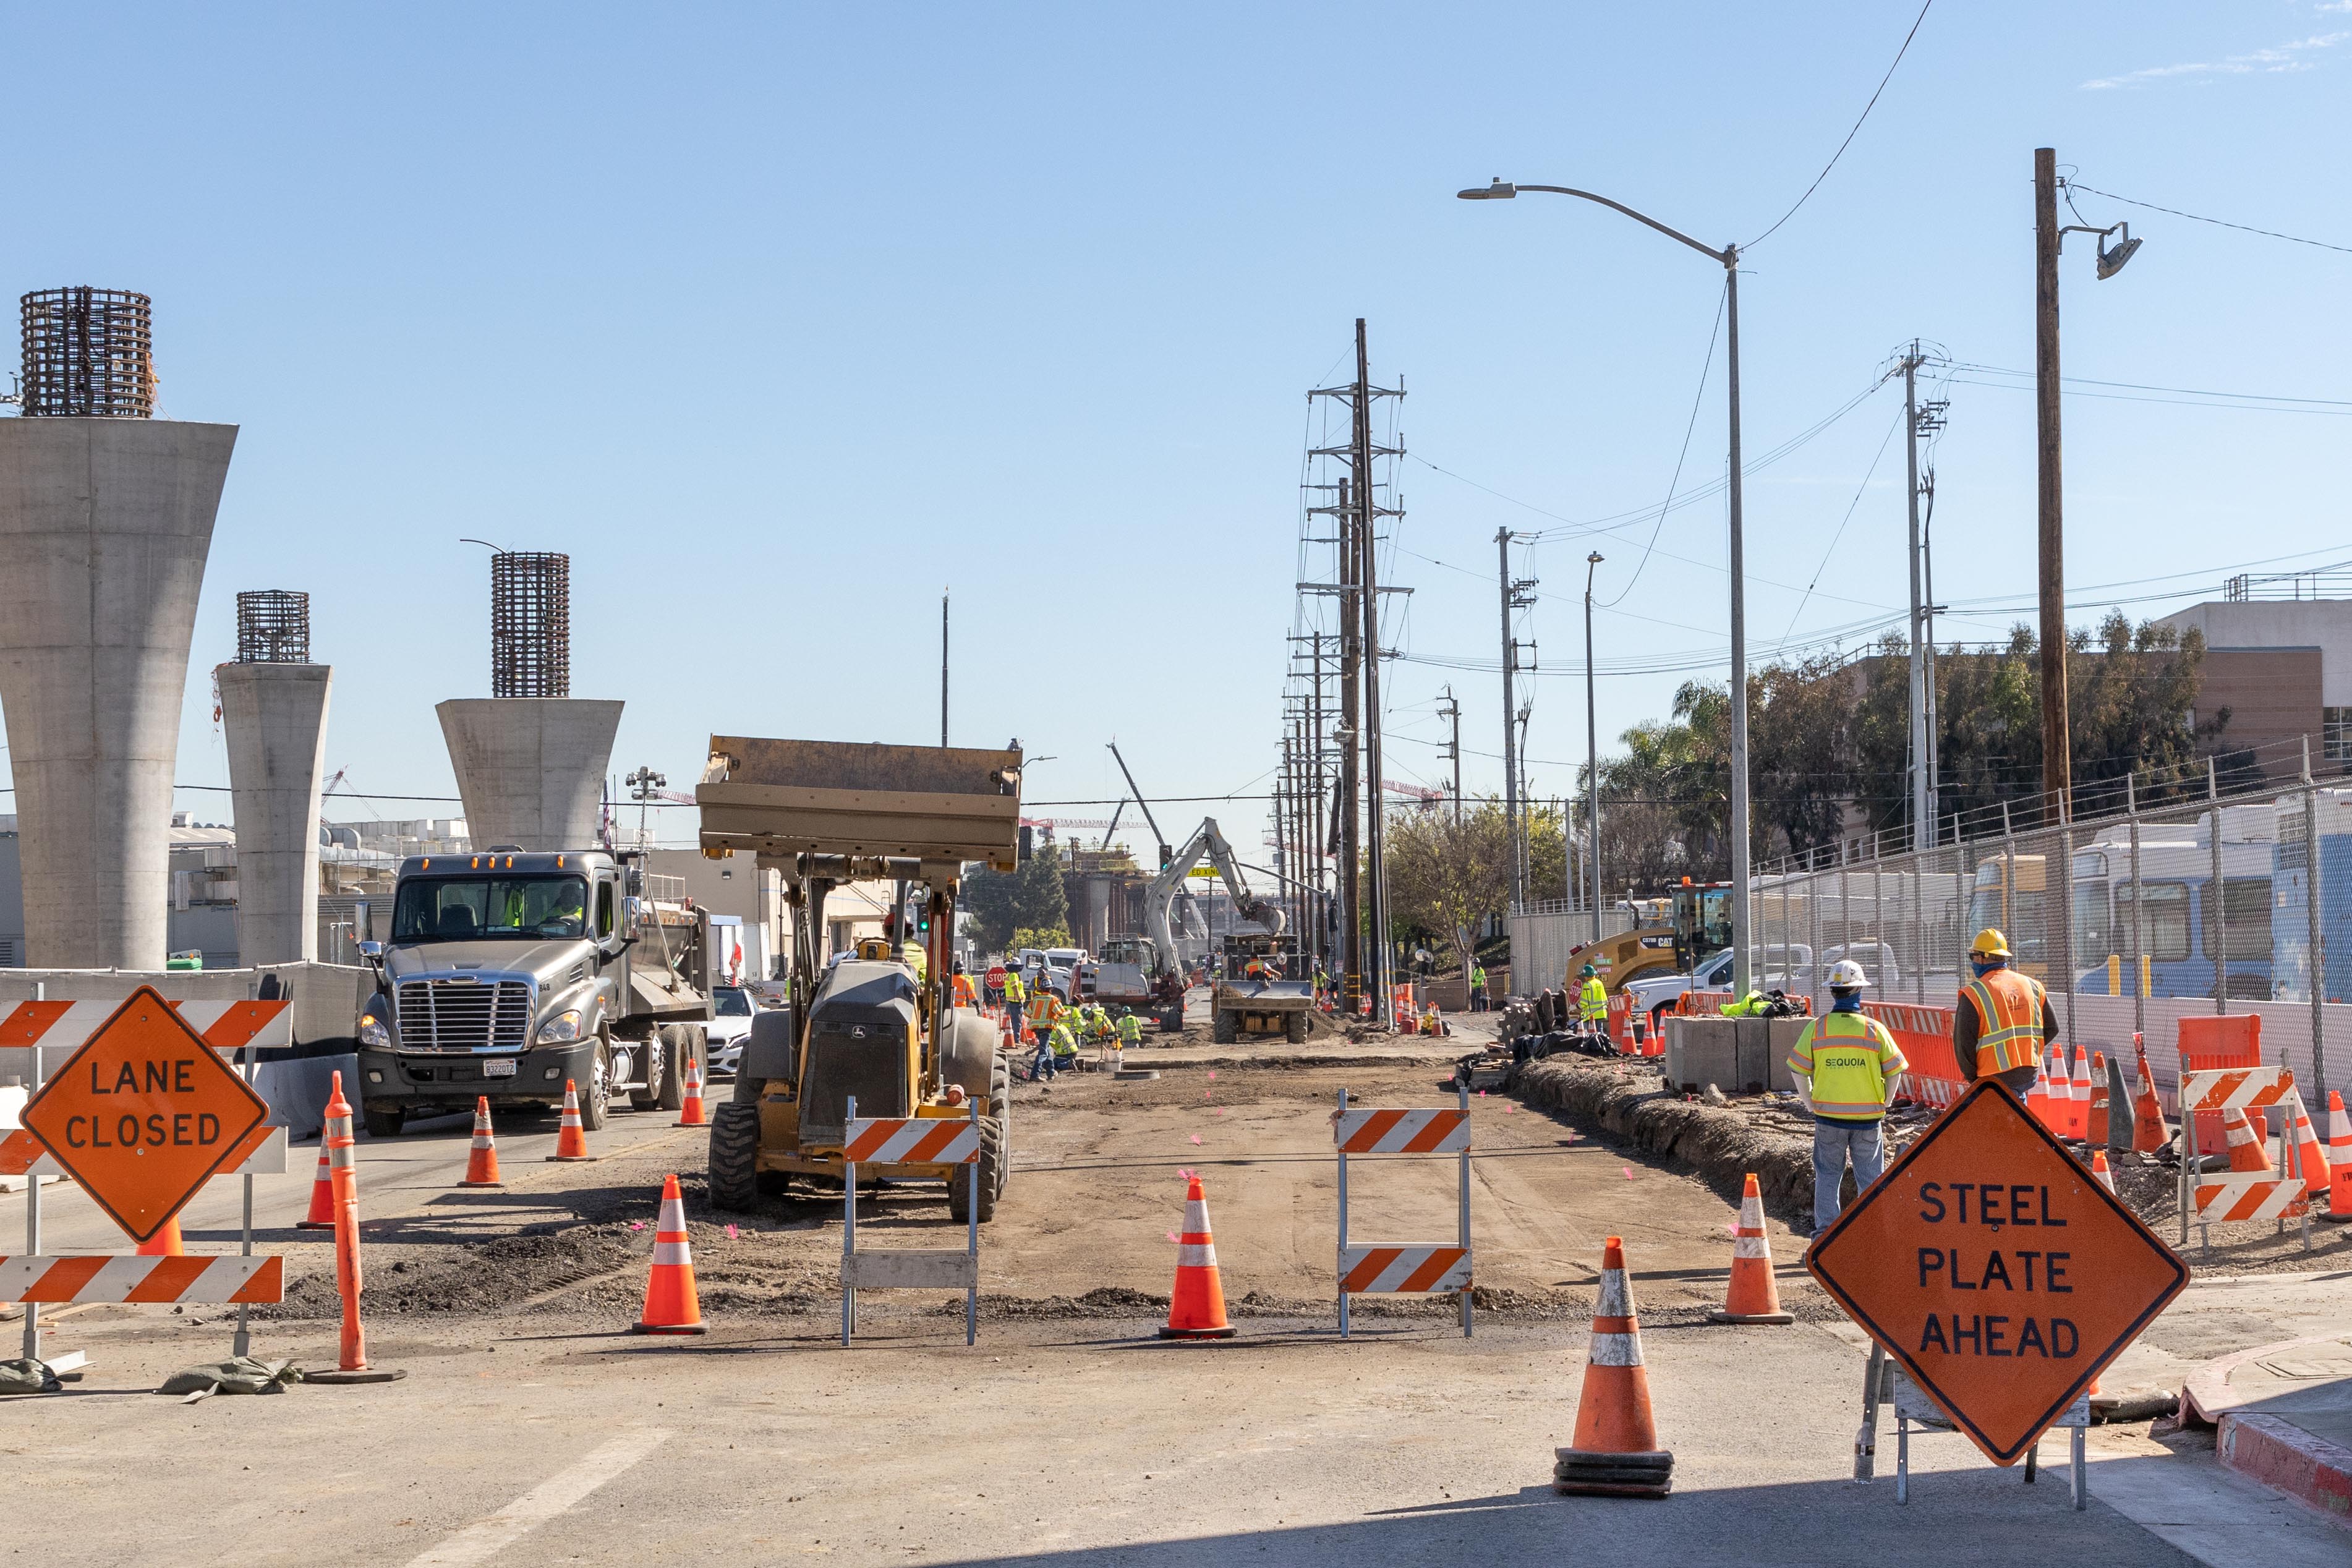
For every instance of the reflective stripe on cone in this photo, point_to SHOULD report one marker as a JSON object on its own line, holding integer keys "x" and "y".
{"x": 1196, "y": 1309}
{"x": 672, "y": 1304}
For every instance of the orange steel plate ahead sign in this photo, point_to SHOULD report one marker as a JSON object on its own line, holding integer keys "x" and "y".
{"x": 143, "y": 1113}
{"x": 1997, "y": 1269}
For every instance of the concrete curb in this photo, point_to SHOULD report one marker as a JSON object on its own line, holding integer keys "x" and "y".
{"x": 2206, "y": 1397}
{"x": 2287, "y": 1459}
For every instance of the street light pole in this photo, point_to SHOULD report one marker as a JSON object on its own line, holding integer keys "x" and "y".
{"x": 1728, "y": 260}
{"x": 1592, "y": 754}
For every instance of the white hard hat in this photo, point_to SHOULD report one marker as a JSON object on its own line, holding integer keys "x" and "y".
{"x": 1845, "y": 975}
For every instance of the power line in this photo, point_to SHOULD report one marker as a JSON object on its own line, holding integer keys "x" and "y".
{"x": 1850, "y": 135}
{"x": 2217, "y": 223}
{"x": 1705, "y": 371}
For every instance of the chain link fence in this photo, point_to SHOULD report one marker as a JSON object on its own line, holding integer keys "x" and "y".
{"x": 2133, "y": 921}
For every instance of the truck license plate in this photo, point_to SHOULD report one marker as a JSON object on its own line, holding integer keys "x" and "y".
{"x": 499, "y": 1067}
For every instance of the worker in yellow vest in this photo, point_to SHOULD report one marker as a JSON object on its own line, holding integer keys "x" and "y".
{"x": 2003, "y": 1021}
{"x": 1016, "y": 996}
{"x": 1848, "y": 1065}
{"x": 1592, "y": 1001}
{"x": 1478, "y": 987}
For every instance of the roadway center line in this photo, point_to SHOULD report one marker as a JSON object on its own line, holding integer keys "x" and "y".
{"x": 485, "y": 1538}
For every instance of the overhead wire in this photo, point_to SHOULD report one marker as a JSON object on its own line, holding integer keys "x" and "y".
{"x": 2218, "y": 223}
{"x": 1850, "y": 135}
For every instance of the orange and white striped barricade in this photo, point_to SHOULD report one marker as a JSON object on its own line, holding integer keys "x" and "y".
{"x": 2224, "y": 1196}
{"x": 1407, "y": 1268}
{"x": 43, "y": 1027}
{"x": 191, "y": 1278}
{"x": 909, "y": 1141}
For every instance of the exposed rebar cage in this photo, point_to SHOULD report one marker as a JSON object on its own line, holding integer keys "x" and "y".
{"x": 86, "y": 354}
{"x": 531, "y": 624}
{"x": 273, "y": 626}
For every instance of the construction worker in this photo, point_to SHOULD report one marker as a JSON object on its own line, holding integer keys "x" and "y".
{"x": 1053, "y": 1047}
{"x": 1130, "y": 1030}
{"x": 1478, "y": 987}
{"x": 1045, "y": 1010}
{"x": 1016, "y": 996}
{"x": 1592, "y": 1002}
{"x": 1848, "y": 1065}
{"x": 961, "y": 991}
{"x": 1751, "y": 1005}
{"x": 2003, "y": 1021}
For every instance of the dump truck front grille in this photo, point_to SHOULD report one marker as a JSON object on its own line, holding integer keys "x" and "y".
{"x": 874, "y": 1070}
{"x": 464, "y": 1014}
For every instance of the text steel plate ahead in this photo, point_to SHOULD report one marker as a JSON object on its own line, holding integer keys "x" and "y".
{"x": 143, "y": 1113}
{"x": 1997, "y": 1269}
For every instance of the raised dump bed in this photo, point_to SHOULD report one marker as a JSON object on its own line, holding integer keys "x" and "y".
{"x": 869, "y": 802}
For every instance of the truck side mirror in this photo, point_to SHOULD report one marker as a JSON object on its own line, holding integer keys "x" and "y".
{"x": 371, "y": 949}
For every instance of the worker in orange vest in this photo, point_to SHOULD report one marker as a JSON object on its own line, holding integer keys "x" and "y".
{"x": 2003, "y": 1019}
{"x": 966, "y": 995}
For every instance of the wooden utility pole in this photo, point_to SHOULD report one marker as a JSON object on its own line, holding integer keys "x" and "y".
{"x": 2057, "y": 777}
{"x": 1510, "y": 727}
{"x": 1351, "y": 657}
{"x": 1453, "y": 750}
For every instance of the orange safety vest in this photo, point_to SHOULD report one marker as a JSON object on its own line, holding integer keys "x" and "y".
{"x": 965, "y": 994}
{"x": 2009, "y": 1014}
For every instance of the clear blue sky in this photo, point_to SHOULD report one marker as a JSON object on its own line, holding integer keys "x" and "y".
{"x": 781, "y": 319}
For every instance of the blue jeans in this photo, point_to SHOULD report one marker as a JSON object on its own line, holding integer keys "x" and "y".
{"x": 1043, "y": 1067}
{"x": 1833, "y": 1142}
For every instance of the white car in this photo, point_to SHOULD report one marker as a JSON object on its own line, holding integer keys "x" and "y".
{"x": 729, "y": 1026}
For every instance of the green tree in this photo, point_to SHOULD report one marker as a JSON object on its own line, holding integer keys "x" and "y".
{"x": 1446, "y": 880}
{"x": 1001, "y": 903}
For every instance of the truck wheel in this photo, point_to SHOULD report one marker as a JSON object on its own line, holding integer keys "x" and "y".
{"x": 669, "y": 1088}
{"x": 734, "y": 1179}
{"x": 596, "y": 1094}
{"x": 1294, "y": 1029}
{"x": 383, "y": 1123}
{"x": 991, "y": 1176}
{"x": 1221, "y": 1026}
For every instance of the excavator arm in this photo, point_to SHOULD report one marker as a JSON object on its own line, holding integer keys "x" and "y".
{"x": 1159, "y": 900}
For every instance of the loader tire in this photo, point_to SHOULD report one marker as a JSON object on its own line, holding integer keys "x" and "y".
{"x": 734, "y": 1179}
{"x": 1294, "y": 1029}
{"x": 678, "y": 1045}
{"x": 992, "y": 1131}
{"x": 999, "y": 1100}
{"x": 1223, "y": 1026}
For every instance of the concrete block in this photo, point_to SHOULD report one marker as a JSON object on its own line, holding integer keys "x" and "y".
{"x": 104, "y": 528}
{"x": 1702, "y": 1052}
{"x": 1784, "y": 1033}
{"x": 273, "y": 718}
{"x": 530, "y": 768}
{"x": 296, "y": 1092}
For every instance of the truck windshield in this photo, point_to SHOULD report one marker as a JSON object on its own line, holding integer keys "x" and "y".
{"x": 473, "y": 908}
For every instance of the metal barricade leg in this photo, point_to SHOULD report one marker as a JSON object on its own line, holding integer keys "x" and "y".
{"x": 2079, "y": 1472}
{"x": 971, "y": 1243}
{"x": 848, "y": 1231}
{"x": 1339, "y": 1262}
{"x": 1902, "y": 1458}
{"x": 33, "y": 1205}
{"x": 1865, "y": 1441}
{"x": 1462, "y": 1084}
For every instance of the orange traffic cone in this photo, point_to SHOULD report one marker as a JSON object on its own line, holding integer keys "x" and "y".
{"x": 351, "y": 1366}
{"x": 2095, "y": 1132}
{"x": 571, "y": 1139}
{"x": 2310, "y": 1156}
{"x": 691, "y": 1113}
{"x": 2246, "y": 1150}
{"x": 1615, "y": 1451}
{"x": 2148, "y": 1134}
{"x": 2037, "y": 1098}
{"x": 671, "y": 1305}
{"x": 2339, "y": 1159}
{"x": 2078, "y": 1097}
{"x": 164, "y": 1243}
{"x": 482, "y": 1163}
{"x": 1197, "y": 1309}
{"x": 1754, "y": 1297}
{"x": 322, "y": 1196}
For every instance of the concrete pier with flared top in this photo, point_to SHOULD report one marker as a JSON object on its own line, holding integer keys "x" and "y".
{"x": 273, "y": 717}
{"x": 104, "y": 528}
{"x": 530, "y": 768}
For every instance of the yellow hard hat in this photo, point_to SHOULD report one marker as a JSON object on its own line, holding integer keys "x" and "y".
{"x": 1990, "y": 943}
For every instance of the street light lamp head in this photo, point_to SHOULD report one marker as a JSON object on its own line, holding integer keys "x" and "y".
{"x": 1500, "y": 189}
{"x": 2111, "y": 259}
{"x": 1595, "y": 559}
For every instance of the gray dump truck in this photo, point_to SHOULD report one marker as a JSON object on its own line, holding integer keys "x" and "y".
{"x": 507, "y": 975}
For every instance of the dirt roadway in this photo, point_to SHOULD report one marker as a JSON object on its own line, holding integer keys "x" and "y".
{"x": 1085, "y": 1226}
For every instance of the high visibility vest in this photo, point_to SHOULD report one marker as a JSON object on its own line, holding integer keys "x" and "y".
{"x": 2009, "y": 1019}
{"x": 1849, "y": 1056}
{"x": 1595, "y": 999}
{"x": 1478, "y": 977}
{"x": 1014, "y": 990}
{"x": 1130, "y": 1030}
{"x": 1049, "y": 1006}
{"x": 1751, "y": 1005}
{"x": 1061, "y": 1043}
{"x": 965, "y": 994}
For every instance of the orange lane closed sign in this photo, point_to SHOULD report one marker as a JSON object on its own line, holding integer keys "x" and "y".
{"x": 143, "y": 1113}
{"x": 1997, "y": 1269}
